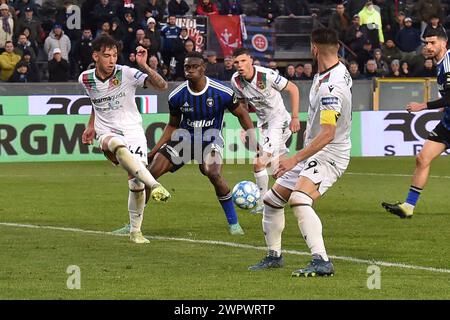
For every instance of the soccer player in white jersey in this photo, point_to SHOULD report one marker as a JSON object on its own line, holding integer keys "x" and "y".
{"x": 305, "y": 177}
{"x": 117, "y": 124}
{"x": 261, "y": 88}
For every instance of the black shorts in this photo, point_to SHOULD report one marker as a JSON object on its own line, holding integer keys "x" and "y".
{"x": 175, "y": 151}
{"x": 440, "y": 134}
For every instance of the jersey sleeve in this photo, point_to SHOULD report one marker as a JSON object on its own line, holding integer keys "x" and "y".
{"x": 136, "y": 76}
{"x": 80, "y": 81}
{"x": 237, "y": 91}
{"x": 330, "y": 104}
{"x": 174, "y": 108}
{"x": 276, "y": 81}
{"x": 232, "y": 102}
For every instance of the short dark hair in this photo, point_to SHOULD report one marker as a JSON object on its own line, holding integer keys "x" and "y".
{"x": 239, "y": 51}
{"x": 435, "y": 32}
{"x": 104, "y": 42}
{"x": 325, "y": 36}
{"x": 194, "y": 54}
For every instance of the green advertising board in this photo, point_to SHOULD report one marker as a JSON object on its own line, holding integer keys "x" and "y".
{"x": 25, "y": 138}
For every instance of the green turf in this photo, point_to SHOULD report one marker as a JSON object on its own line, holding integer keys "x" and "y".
{"x": 93, "y": 196}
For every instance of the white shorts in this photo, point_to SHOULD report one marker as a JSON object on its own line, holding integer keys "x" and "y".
{"x": 136, "y": 143}
{"x": 320, "y": 169}
{"x": 273, "y": 141}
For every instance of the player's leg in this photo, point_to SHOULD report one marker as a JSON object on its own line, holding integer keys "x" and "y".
{"x": 261, "y": 177}
{"x": 117, "y": 146}
{"x": 273, "y": 146}
{"x": 430, "y": 151}
{"x": 136, "y": 205}
{"x": 273, "y": 223}
{"x": 211, "y": 167}
{"x": 310, "y": 227}
{"x": 318, "y": 174}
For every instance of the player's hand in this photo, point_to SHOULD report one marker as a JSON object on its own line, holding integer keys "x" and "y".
{"x": 294, "y": 126}
{"x": 141, "y": 56}
{"x": 416, "y": 106}
{"x": 284, "y": 165}
{"x": 88, "y": 135}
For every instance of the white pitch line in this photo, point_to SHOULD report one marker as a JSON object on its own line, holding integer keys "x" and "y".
{"x": 390, "y": 175}
{"x": 233, "y": 245}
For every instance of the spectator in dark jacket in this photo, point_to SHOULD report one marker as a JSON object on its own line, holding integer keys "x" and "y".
{"x": 58, "y": 68}
{"x": 353, "y": 69}
{"x": 233, "y": 7}
{"x": 178, "y": 8}
{"x": 354, "y": 35}
{"x": 296, "y": 8}
{"x": 83, "y": 51}
{"x": 157, "y": 8}
{"x": 408, "y": 39}
{"x": 169, "y": 34}
{"x": 103, "y": 11}
{"x": 290, "y": 73}
{"x": 33, "y": 70}
{"x": 428, "y": 69}
{"x": 20, "y": 73}
{"x": 339, "y": 21}
{"x": 269, "y": 9}
{"x": 390, "y": 51}
{"x": 228, "y": 69}
{"x": 153, "y": 34}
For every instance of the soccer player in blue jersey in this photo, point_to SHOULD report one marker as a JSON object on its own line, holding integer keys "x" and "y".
{"x": 197, "y": 108}
{"x": 439, "y": 139}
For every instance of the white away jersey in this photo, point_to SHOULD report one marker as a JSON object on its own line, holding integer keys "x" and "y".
{"x": 331, "y": 90}
{"x": 113, "y": 100}
{"x": 263, "y": 92}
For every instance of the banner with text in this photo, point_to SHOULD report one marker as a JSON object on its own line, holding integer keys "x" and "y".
{"x": 396, "y": 133}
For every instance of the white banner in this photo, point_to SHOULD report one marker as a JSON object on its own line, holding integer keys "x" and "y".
{"x": 60, "y": 104}
{"x": 396, "y": 133}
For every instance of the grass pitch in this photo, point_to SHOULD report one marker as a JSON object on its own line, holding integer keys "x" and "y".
{"x": 93, "y": 196}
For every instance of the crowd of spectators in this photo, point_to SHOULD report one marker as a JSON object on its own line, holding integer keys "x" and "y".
{"x": 380, "y": 38}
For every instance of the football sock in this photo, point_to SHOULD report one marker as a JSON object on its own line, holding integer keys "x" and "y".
{"x": 309, "y": 223}
{"x": 228, "y": 207}
{"x": 262, "y": 181}
{"x": 273, "y": 223}
{"x": 136, "y": 205}
{"x": 134, "y": 167}
{"x": 413, "y": 196}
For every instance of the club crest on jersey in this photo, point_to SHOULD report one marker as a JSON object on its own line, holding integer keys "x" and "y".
{"x": 210, "y": 102}
{"x": 261, "y": 85}
{"x": 115, "y": 82}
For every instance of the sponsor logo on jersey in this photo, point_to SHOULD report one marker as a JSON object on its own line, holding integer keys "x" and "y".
{"x": 108, "y": 98}
{"x": 329, "y": 101}
{"x": 187, "y": 108}
{"x": 200, "y": 123}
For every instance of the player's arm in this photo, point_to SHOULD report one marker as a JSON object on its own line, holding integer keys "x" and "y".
{"x": 153, "y": 79}
{"x": 328, "y": 119}
{"x": 89, "y": 133}
{"x": 241, "y": 112}
{"x": 174, "y": 124}
{"x": 294, "y": 95}
{"x": 436, "y": 104}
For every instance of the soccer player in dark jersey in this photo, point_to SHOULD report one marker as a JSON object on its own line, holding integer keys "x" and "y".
{"x": 439, "y": 139}
{"x": 197, "y": 108}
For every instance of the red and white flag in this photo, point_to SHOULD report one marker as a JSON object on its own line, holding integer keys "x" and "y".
{"x": 228, "y": 32}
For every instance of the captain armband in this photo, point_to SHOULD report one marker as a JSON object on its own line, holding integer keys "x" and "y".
{"x": 329, "y": 117}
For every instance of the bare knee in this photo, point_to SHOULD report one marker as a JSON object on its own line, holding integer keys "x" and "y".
{"x": 422, "y": 160}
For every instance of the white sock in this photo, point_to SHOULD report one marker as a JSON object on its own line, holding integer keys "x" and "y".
{"x": 309, "y": 223}
{"x": 262, "y": 181}
{"x": 134, "y": 167}
{"x": 136, "y": 205}
{"x": 273, "y": 222}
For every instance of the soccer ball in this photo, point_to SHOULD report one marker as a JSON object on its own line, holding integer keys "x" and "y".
{"x": 246, "y": 194}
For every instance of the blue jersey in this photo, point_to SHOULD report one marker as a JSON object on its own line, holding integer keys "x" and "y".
{"x": 203, "y": 110}
{"x": 443, "y": 82}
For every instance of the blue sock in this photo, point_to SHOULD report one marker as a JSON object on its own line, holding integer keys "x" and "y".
{"x": 228, "y": 208}
{"x": 413, "y": 195}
